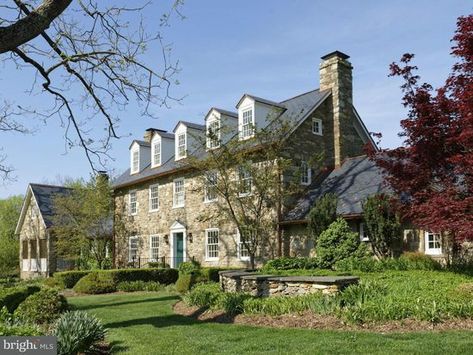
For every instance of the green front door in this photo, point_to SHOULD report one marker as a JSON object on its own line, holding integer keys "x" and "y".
{"x": 179, "y": 248}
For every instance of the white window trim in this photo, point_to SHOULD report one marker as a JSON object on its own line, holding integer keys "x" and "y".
{"x": 309, "y": 174}
{"x": 129, "y": 202}
{"x": 156, "y": 141}
{"x": 432, "y": 251}
{"x": 174, "y": 205}
{"x": 244, "y": 194}
{"x": 178, "y": 156}
{"x": 207, "y": 258}
{"x": 240, "y": 125}
{"x": 133, "y": 237}
{"x": 149, "y": 198}
{"x": 363, "y": 236}
{"x": 206, "y": 200}
{"x": 320, "y": 132}
{"x": 209, "y": 139}
{"x": 151, "y": 247}
{"x": 134, "y": 150}
{"x": 239, "y": 247}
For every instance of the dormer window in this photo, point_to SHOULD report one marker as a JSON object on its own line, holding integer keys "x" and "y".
{"x": 181, "y": 145}
{"x": 247, "y": 123}
{"x": 317, "y": 126}
{"x": 135, "y": 160}
{"x": 213, "y": 133}
{"x": 156, "y": 151}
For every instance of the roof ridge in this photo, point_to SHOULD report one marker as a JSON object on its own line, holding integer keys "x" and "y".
{"x": 49, "y": 185}
{"x": 304, "y": 93}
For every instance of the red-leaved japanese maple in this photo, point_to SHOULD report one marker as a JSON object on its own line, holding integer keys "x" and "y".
{"x": 433, "y": 170}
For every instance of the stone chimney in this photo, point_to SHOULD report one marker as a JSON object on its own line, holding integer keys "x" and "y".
{"x": 336, "y": 75}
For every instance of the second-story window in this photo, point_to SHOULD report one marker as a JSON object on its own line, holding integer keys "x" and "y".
{"x": 305, "y": 173}
{"x": 317, "y": 126}
{"x": 153, "y": 198}
{"x": 133, "y": 203}
{"x": 247, "y": 124}
{"x": 213, "y": 134}
{"x": 156, "y": 151}
{"x": 135, "y": 160}
{"x": 181, "y": 145}
{"x": 245, "y": 181}
{"x": 210, "y": 186}
{"x": 179, "y": 193}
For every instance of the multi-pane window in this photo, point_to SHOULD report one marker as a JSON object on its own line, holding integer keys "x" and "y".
{"x": 245, "y": 181}
{"x": 243, "y": 253}
{"x": 247, "y": 123}
{"x": 363, "y": 233}
{"x": 211, "y": 244}
{"x": 156, "y": 152}
{"x": 179, "y": 193}
{"x": 213, "y": 134}
{"x": 317, "y": 126}
{"x": 433, "y": 243}
{"x": 154, "y": 247}
{"x": 153, "y": 198}
{"x": 132, "y": 248}
{"x": 181, "y": 145}
{"x": 133, "y": 203}
{"x": 135, "y": 161}
{"x": 305, "y": 173}
{"x": 210, "y": 186}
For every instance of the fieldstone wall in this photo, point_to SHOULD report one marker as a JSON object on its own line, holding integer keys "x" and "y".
{"x": 271, "y": 286}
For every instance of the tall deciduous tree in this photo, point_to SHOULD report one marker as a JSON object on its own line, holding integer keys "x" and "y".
{"x": 433, "y": 170}
{"x": 249, "y": 181}
{"x": 83, "y": 222}
{"x": 88, "y": 60}
{"x": 10, "y": 209}
{"x": 383, "y": 224}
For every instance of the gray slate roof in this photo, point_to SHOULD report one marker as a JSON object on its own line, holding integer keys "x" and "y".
{"x": 352, "y": 183}
{"x": 296, "y": 110}
{"x": 44, "y": 195}
{"x": 191, "y": 125}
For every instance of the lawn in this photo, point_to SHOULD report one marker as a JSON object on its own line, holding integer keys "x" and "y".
{"x": 144, "y": 323}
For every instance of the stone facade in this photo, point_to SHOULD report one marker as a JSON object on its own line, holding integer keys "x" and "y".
{"x": 273, "y": 286}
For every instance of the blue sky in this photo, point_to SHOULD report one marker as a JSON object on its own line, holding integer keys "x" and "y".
{"x": 269, "y": 48}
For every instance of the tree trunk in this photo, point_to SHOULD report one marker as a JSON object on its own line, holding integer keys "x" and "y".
{"x": 32, "y": 25}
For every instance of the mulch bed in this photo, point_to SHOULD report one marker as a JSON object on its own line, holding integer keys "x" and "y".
{"x": 309, "y": 320}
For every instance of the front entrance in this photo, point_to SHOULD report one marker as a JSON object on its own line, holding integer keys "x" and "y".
{"x": 178, "y": 248}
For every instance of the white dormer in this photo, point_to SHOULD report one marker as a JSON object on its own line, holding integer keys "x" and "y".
{"x": 181, "y": 142}
{"x": 222, "y": 124}
{"x": 186, "y": 138}
{"x": 162, "y": 146}
{"x": 254, "y": 113}
{"x": 140, "y": 156}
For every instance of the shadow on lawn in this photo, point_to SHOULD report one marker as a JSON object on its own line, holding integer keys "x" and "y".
{"x": 113, "y": 303}
{"x": 171, "y": 320}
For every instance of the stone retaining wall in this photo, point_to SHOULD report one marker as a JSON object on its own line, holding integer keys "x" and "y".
{"x": 270, "y": 285}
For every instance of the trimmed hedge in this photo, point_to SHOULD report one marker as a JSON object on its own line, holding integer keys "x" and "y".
{"x": 290, "y": 263}
{"x": 67, "y": 279}
{"x": 42, "y": 307}
{"x": 105, "y": 281}
{"x": 12, "y": 297}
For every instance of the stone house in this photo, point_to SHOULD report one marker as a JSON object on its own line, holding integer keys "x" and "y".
{"x": 37, "y": 257}
{"x": 156, "y": 200}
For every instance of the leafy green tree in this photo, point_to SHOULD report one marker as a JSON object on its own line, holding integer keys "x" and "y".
{"x": 83, "y": 222}
{"x": 338, "y": 242}
{"x": 383, "y": 224}
{"x": 10, "y": 209}
{"x": 322, "y": 214}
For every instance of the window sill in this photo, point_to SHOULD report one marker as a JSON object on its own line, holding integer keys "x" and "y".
{"x": 180, "y": 206}
{"x": 244, "y": 258}
{"x": 210, "y": 201}
{"x": 317, "y": 134}
{"x": 153, "y": 211}
{"x": 211, "y": 259}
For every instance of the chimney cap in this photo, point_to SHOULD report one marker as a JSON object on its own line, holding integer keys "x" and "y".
{"x": 335, "y": 54}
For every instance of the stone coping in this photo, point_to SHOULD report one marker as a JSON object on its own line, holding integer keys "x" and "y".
{"x": 249, "y": 275}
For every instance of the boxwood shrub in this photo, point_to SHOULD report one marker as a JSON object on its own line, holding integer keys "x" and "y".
{"x": 68, "y": 279}
{"x": 290, "y": 263}
{"x": 13, "y": 296}
{"x": 42, "y": 307}
{"x": 96, "y": 283}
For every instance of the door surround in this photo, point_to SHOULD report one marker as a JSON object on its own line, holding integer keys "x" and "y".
{"x": 177, "y": 227}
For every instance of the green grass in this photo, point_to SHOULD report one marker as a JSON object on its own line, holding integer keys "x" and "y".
{"x": 144, "y": 323}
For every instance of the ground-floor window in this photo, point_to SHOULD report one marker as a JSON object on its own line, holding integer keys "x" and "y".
{"x": 132, "y": 248}
{"x": 211, "y": 239}
{"x": 433, "y": 243}
{"x": 154, "y": 247}
{"x": 363, "y": 233}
